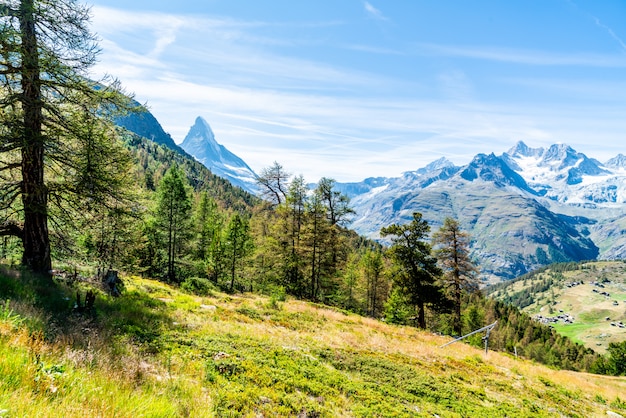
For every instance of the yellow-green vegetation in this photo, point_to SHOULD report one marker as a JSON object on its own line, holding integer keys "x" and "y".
{"x": 159, "y": 352}
{"x": 577, "y": 290}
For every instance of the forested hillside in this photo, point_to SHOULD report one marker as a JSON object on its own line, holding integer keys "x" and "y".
{"x": 129, "y": 262}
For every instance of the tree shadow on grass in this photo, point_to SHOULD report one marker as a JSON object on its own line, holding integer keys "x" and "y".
{"x": 49, "y": 307}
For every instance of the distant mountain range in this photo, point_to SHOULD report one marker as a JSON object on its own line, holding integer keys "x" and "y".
{"x": 524, "y": 209}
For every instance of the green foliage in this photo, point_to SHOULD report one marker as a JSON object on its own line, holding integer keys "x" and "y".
{"x": 397, "y": 309}
{"x": 517, "y": 331}
{"x": 8, "y": 315}
{"x": 418, "y": 272}
{"x": 237, "y": 245}
{"x": 172, "y": 217}
{"x": 54, "y": 128}
{"x": 198, "y": 286}
{"x": 616, "y": 362}
{"x": 459, "y": 273}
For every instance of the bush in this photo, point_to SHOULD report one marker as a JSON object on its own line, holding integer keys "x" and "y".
{"x": 198, "y": 286}
{"x": 397, "y": 310}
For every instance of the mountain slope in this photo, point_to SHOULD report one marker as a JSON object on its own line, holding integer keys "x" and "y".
{"x": 585, "y": 293}
{"x": 200, "y": 142}
{"x": 153, "y": 160}
{"x": 159, "y": 352}
{"x": 144, "y": 124}
{"x": 524, "y": 209}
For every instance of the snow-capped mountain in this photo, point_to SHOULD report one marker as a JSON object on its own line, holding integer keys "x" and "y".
{"x": 523, "y": 209}
{"x": 200, "y": 142}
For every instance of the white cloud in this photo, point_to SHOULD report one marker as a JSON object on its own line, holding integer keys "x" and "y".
{"x": 322, "y": 120}
{"x": 373, "y": 12}
{"x": 528, "y": 57}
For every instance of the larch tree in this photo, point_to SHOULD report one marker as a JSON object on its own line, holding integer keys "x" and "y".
{"x": 172, "y": 215}
{"x": 316, "y": 237}
{"x": 274, "y": 183}
{"x": 459, "y": 272}
{"x": 207, "y": 220}
{"x": 372, "y": 262}
{"x": 418, "y": 272}
{"x": 238, "y": 245}
{"x": 295, "y": 211}
{"x": 46, "y": 49}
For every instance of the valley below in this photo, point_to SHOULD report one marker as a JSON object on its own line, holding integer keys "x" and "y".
{"x": 586, "y": 301}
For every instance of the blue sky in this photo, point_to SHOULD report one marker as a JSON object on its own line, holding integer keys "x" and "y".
{"x": 351, "y": 89}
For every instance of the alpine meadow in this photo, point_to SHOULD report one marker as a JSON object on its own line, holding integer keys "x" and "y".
{"x": 142, "y": 278}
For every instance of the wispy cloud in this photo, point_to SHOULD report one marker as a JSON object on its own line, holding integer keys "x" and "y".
{"x": 374, "y": 12}
{"x": 527, "y": 57}
{"x": 598, "y": 23}
{"x": 374, "y": 50}
{"x": 319, "y": 119}
{"x": 610, "y": 32}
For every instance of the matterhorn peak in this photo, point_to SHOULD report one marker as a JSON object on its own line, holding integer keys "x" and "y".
{"x": 200, "y": 142}
{"x": 200, "y": 133}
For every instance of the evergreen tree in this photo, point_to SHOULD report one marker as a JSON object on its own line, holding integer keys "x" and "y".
{"x": 207, "y": 220}
{"x": 459, "y": 273}
{"x": 338, "y": 211}
{"x": 216, "y": 255}
{"x": 338, "y": 208}
{"x": 373, "y": 267}
{"x": 172, "y": 214}
{"x": 616, "y": 363}
{"x": 296, "y": 206}
{"x": 238, "y": 245}
{"x": 315, "y": 235}
{"x": 45, "y": 50}
{"x": 418, "y": 272}
{"x": 397, "y": 307}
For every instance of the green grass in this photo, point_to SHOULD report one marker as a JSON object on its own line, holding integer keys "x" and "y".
{"x": 160, "y": 352}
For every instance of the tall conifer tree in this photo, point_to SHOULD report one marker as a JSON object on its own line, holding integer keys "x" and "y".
{"x": 45, "y": 51}
{"x": 172, "y": 214}
{"x": 459, "y": 273}
{"x": 418, "y": 273}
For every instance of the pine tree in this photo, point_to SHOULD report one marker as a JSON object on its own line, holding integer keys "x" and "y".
{"x": 418, "y": 272}
{"x": 238, "y": 245}
{"x": 172, "y": 215}
{"x": 459, "y": 273}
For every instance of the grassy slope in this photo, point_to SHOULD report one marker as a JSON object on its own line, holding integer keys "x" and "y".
{"x": 159, "y": 352}
{"x": 588, "y": 308}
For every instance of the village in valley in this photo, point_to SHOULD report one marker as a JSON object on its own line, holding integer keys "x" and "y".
{"x": 589, "y": 305}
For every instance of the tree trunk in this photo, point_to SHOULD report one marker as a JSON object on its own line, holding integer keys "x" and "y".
{"x": 421, "y": 316}
{"x": 36, "y": 240}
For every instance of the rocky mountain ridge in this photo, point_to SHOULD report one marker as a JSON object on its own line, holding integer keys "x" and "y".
{"x": 525, "y": 208}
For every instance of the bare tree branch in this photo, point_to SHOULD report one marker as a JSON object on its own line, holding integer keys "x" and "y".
{"x": 11, "y": 228}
